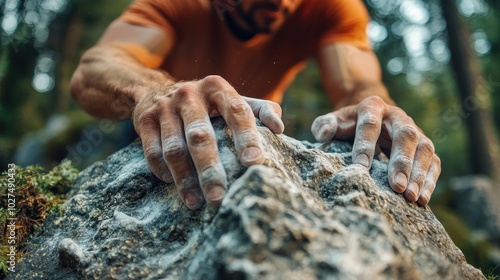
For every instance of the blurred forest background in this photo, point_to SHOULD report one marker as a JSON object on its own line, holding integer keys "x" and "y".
{"x": 439, "y": 59}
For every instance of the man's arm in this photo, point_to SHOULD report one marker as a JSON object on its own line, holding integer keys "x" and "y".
{"x": 117, "y": 79}
{"x": 112, "y": 75}
{"x": 363, "y": 111}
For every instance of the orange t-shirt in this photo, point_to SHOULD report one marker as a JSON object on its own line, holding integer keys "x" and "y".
{"x": 263, "y": 66}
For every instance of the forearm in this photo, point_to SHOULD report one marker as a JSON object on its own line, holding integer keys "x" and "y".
{"x": 108, "y": 82}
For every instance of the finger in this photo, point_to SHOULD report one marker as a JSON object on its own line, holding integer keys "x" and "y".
{"x": 178, "y": 160}
{"x": 201, "y": 143}
{"x": 340, "y": 125}
{"x": 368, "y": 129}
{"x": 239, "y": 117}
{"x": 269, "y": 113}
{"x": 421, "y": 163}
{"x": 149, "y": 132}
{"x": 405, "y": 139}
{"x": 430, "y": 181}
{"x": 324, "y": 127}
{"x": 204, "y": 153}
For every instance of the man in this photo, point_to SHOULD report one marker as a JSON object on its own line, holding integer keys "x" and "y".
{"x": 171, "y": 65}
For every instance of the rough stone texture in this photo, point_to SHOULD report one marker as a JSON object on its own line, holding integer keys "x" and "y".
{"x": 305, "y": 214}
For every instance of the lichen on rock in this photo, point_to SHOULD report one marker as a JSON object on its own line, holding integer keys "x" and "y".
{"x": 306, "y": 213}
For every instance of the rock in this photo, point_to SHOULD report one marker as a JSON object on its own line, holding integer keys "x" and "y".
{"x": 79, "y": 139}
{"x": 305, "y": 214}
{"x": 475, "y": 199}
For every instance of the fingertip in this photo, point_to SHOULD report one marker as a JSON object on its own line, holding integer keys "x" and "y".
{"x": 193, "y": 200}
{"x": 167, "y": 177}
{"x": 399, "y": 182}
{"x": 363, "y": 160}
{"x": 324, "y": 128}
{"x": 274, "y": 123}
{"x": 280, "y": 127}
{"x": 269, "y": 113}
{"x": 323, "y": 133}
{"x": 214, "y": 195}
{"x": 412, "y": 192}
{"x": 423, "y": 200}
{"x": 425, "y": 196}
{"x": 315, "y": 127}
{"x": 251, "y": 156}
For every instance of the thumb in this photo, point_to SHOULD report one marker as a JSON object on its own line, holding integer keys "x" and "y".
{"x": 268, "y": 112}
{"x": 324, "y": 127}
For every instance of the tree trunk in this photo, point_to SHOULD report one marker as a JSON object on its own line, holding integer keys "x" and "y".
{"x": 474, "y": 94}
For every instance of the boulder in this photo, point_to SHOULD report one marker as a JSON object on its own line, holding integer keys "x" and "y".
{"x": 306, "y": 213}
{"x": 475, "y": 199}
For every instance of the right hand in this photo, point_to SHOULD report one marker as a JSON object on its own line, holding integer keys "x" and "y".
{"x": 179, "y": 141}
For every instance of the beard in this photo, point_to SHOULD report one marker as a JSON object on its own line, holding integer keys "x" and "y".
{"x": 268, "y": 26}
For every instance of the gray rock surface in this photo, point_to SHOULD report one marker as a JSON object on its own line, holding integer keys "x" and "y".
{"x": 475, "y": 198}
{"x": 305, "y": 214}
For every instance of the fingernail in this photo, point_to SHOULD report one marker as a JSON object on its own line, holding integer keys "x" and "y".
{"x": 363, "y": 160}
{"x": 423, "y": 200}
{"x": 167, "y": 178}
{"x": 192, "y": 199}
{"x": 401, "y": 180}
{"x": 251, "y": 154}
{"x": 413, "y": 188}
{"x": 215, "y": 193}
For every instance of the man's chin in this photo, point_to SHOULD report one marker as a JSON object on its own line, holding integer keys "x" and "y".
{"x": 269, "y": 27}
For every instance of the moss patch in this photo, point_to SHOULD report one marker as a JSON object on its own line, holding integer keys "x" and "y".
{"x": 27, "y": 201}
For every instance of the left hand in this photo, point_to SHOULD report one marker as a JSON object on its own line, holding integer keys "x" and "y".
{"x": 414, "y": 167}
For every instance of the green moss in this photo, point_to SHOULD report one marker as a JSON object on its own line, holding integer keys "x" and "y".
{"x": 492, "y": 277}
{"x": 36, "y": 196}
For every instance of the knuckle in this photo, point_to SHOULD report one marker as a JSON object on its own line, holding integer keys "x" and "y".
{"x": 152, "y": 154}
{"x": 398, "y": 112}
{"x": 199, "y": 133}
{"x": 185, "y": 184}
{"x": 374, "y": 100}
{"x": 419, "y": 178}
{"x": 403, "y": 162}
{"x": 174, "y": 148}
{"x": 214, "y": 80}
{"x": 408, "y": 132}
{"x": 369, "y": 121}
{"x": 364, "y": 147}
{"x": 145, "y": 118}
{"x": 430, "y": 185}
{"x": 247, "y": 138}
{"x": 212, "y": 175}
{"x": 162, "y": 102}
{"x": 372, "y": 103}
{"x": 185, "y": 91}
{"x": 425, "y": 145}
{"x": 238, "y": 107}
{"x": 155, "y": 98}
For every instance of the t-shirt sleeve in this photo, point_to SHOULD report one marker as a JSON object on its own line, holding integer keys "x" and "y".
{"x": 155, "y": 13}
{"x": 344, "y": 21}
